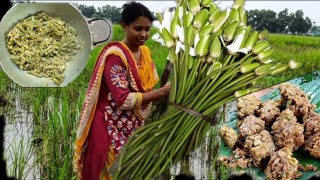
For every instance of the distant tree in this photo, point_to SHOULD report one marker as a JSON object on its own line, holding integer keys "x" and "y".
{"x": 283, "y": 19}
{"x": 263, "y": 19}
{"x": 298, "y": 24}
{"x": 279, "y": 23}
{"x": 269, "y": 20}
{"x": 254, "y": 18}
{"x": 112, "y": 13}
{"x": 87, "y": 11}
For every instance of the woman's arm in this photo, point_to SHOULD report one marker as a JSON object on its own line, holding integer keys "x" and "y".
{"x": 116, "y": 78}
{"x": 156, "y": 94}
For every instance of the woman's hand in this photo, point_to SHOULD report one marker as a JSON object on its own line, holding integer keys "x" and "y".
{"x": 166, "y": 88}
{"x": 157, "y": 94}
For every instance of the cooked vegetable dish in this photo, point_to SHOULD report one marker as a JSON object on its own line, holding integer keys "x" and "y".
{"x": 42, "y": 45}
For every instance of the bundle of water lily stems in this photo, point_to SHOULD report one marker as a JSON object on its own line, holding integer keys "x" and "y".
{"x": 216, "y": 58}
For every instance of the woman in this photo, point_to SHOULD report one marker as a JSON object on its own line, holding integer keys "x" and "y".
{"x": 119, "y": 96}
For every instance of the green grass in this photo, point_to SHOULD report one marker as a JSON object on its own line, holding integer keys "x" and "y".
{"x": 304, "y": 49}
{"x": 21, "y": 152}
{"x": 56, "y": 110}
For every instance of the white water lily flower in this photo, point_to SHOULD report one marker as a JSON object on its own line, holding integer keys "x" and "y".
{"x": 192, "y": 51}
{"x": 156, "y": 37}
{"x": 235, "y": 46}
{"x": 196, "y": 39}
{"x": 180, "y": 33}
{"x": 293, "y": 64}
{"x": 222, "y": 40}
{"x": 166, "y": 23}
{"x": 178, "y": 47}
{"x": 167, "y": 18}
{"x": 156, "y": 24}
{"x": 180, "y": 13}
{"x": 181, "y": 46}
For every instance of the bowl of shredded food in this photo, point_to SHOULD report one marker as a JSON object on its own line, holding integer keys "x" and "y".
{"x": 44, "y": 44}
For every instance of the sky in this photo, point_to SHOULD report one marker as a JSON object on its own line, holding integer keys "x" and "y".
{"x": 310, "y": 8}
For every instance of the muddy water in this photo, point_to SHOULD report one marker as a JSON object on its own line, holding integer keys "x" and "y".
{"x": 17, "y": 137}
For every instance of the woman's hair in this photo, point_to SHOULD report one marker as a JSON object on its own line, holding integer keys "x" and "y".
{"x": 132, "y": 10}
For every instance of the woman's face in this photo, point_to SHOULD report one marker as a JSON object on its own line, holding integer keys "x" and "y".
{"x": 138, "y": 31}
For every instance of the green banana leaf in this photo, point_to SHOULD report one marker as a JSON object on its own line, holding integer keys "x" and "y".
{"x": 310, "y": 84}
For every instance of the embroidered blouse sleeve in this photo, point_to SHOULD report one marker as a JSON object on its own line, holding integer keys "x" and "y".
{"x": 116, "y": 77}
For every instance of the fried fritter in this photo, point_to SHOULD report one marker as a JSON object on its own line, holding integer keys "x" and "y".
{"x": 313, "y": 145}
{"x": 260, "y": 146}
{"x": 229, "y": 136}
{"x": 250, "y": 125}
{"x": 282, "y": 166}
{"x": 295, "y": 99}
{"x": 269, "y": 111}
{"x": 311, "y": 124}
{"x": 248, "y": 105}
{"x": 287, "y": 131}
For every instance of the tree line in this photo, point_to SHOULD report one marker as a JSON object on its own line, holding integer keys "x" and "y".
{"x": 282, "y": 22}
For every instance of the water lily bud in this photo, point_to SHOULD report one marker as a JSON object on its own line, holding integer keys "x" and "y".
{"x": 246, "y": 34}
{"x": 244, "y": 92}
{"x": 201, "y": 18}
{"x": 206, "y": 3}
{"x": 265, "y": 54}
{"x": 202, "y": 47}
{"x": 260, "y": 46}
{"x": 221, "y": 19}
{"x": 215, "y": 48}
{"x": 159, "y": 16}
{"x": 279, "y": 69}
{"x": 264, "y": 35}
{"x": 238, "y": 3}
{"x": 173, "y": 28}
{"x": 194, "y": 6}
{"x": 179, "y": 12}
{"x": 266, "y": 61}
{"x": 212, "y": 8}
{"x": 168, "y": 40}
{"x": 234, "y": 15}
{"x": 214, "y": 15}
{"x": 243, "y": 17}
{"x": 263, "y": 69}
{"x": 205, "y": 30}
{"x": 189, "y": 18}
{"x": 248, "y": 67}
{"x": 230, "y": 31}
{"x": 251, "y": 41}
{"x": 190, "y": 34}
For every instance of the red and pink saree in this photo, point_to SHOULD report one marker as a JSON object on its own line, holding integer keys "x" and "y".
{"x": 113, "y": 108}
